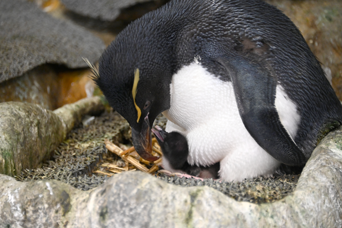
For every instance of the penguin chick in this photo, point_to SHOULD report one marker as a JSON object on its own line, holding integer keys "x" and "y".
{"x": 175, "y": 153}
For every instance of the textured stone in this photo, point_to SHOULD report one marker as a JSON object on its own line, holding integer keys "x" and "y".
{"x": 103, "y": 9}
{"x": 29, "y": 134}
{"x": 135, "y": 199}
{"x": 39, "y": 38}
{"x": 33, "y": 204}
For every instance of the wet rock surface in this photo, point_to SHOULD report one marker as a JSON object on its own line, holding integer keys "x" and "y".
{"x": 135, "y": 199}
{"x": 37, "y": 86}
{"x": 33, "y": 41}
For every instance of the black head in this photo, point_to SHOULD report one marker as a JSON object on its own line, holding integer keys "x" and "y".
{"x": 135, "y": 74}
{"x": 174, "y": 146}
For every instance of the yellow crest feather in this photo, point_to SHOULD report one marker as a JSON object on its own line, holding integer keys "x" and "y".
{"x": 134, "y": 92}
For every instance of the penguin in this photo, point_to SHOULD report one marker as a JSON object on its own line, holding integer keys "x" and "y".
{"x": 175, "y": 150}
{"x": 236, "y": 78}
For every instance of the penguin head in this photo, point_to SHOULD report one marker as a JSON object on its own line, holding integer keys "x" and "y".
{"x": 174, "y": 146}
{"x": 135, "y": 79}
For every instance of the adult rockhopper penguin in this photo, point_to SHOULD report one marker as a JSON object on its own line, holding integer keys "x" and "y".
{"x": 235, "y": 77}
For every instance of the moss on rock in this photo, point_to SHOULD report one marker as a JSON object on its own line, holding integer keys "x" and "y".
{"x": 29, "y": 134}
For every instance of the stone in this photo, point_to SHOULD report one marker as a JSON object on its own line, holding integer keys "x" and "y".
{"x": 107, "y": 10}
{"x": 39, "y": 38}
{"x": 136, "y": 199}
{"x": 29, "y": 134}
{"x": 37, "y": 86}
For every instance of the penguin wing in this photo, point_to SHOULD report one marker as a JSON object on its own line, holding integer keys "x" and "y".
{"x": 255, "y": 90}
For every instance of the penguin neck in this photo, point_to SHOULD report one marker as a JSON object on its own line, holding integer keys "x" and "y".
{"x": 164, "y": 41}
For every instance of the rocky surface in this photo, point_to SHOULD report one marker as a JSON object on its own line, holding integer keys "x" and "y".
{"x": 48, "y": 88}
{"x": 29, "y": 134}
{"x": 39, "y": 38}
{"x": 101, "y": 9}
{"x": 135, "y": 199}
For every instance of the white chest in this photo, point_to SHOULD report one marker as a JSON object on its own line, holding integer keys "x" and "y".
{"x": 204, "y": 109}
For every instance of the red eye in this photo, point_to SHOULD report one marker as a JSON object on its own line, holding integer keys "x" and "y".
{"x": 147, "y": 105}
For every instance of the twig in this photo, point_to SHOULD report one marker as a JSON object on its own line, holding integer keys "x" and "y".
{"x": 124, "y": 155}
{"x": 104, "y": 173}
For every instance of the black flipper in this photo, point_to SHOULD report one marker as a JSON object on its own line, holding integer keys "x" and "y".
{"x": 255, "y": 91}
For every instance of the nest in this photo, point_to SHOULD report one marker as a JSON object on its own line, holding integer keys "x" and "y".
{"x": 100, "y": 147}
{"x": 132, "y": 160}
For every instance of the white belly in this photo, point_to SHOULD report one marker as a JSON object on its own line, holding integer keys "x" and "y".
{"x": 214, "y": 128}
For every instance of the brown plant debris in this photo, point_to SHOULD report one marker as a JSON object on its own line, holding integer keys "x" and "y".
{"x": 132, "y": 160}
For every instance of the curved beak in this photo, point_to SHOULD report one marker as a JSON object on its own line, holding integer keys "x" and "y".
{"x": 159, "y": 133}
{"x": 142, "y": 141}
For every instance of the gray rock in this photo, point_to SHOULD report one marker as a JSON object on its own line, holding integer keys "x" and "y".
{"x": 29, "y": 134}
{"x": 29, "y": 37}
{"x": 103, "y": 9}
{"x": 135, "y": 199}
{"x": 33, "y": 204}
